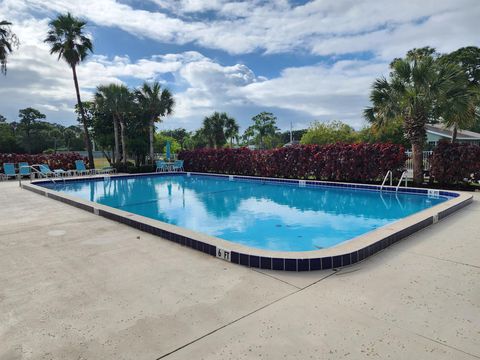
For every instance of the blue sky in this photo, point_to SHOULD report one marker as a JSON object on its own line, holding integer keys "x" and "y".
{"x": 302, "y": 60}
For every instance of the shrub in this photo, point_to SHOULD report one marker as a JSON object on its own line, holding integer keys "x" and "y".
{"x": 328, "y": 133}
{"x": 452, "y": 163}
{"x": 340, "y": 162}
{"x": 130, "y": 168}
{"x": 64, "y": 161}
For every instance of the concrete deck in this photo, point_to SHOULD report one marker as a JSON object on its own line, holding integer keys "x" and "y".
{"x": 77, "y": 286}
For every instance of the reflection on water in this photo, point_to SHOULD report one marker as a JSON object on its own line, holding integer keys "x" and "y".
{"x": 275, "y": 217}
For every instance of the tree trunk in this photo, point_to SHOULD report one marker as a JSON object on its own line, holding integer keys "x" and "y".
{"x": 151, "y": 132}
{"x": 117, "y": 140}
{"x": 88, "y": 144}
{"x": 107, "y": 157}
{"x": 415, "y": 132}
{"x": 29, "y": 142}
{"x": 417, "y": 157}
{"x": 454, "y": 133}
{"x": 124, "y": 145}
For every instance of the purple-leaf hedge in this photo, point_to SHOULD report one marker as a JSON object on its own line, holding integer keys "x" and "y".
{"x": 64, "y": 161}
{"x": 452, "y": 163}
{"x": 337, "y": 162}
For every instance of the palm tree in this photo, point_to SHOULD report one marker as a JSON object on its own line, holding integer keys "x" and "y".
{"x": 231, "y": 129}
{"x": 213, "y": 130}
{"x": 417, "y": 84}
{"x": 459, "y": 110}
{"x": 248, "y": 134}
{"x": 67, "y": 39}
{"x": 8, "y": 40}
{"x": 116, "y": 100}
{"x": 264, "y": 124}
{"x": 217, "y": 128}
{"x": 156, "y": 103}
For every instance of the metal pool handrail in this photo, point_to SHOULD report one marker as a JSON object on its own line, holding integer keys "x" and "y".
{"x": 389, "y": 172}
{"x": 404, "y": 175}
{"x": 36, "y": 171}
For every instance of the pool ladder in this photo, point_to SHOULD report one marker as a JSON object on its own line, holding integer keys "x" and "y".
{"x": 389, "y": 175}
{"x": 39, "y": 174}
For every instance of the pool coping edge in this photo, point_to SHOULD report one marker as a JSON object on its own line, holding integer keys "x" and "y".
{"x": 344, "y": 254}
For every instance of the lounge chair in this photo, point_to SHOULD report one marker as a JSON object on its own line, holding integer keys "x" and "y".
{"x": 107, "y": 170}
{"x": 24, "y": 169}
{"x": 81, "y": 169}
{"x": 161, "y": 166}
{"x": 9, "y": 171}
{"x": 45, "y": 170}
{"x": 178, "y": 165}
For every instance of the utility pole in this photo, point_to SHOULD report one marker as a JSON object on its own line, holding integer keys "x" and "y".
{"x": 291, "y": 134}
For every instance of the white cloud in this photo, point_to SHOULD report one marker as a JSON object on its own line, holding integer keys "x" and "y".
{"x": 323, "y": 27}
{"x": 331, "y": 28}
{"x": 324, "y": 92}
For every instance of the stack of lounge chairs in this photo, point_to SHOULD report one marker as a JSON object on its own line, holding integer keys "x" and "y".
{"x": 25, "y": 170}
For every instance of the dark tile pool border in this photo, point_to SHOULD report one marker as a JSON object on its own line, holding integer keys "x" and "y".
{"x": 347, "y": 253}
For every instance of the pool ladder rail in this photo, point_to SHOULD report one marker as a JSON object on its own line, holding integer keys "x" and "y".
{"x": 39, "y": 174}
{"x": 389, "y": 175}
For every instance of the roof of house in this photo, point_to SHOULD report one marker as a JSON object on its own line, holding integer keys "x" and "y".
{"x": 447, "y": 132}
{"x": 291, "y": 143}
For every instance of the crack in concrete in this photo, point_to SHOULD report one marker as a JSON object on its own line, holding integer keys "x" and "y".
{"x": 442, "y": 259}
{"x": 243, "y": 317}
{"x": 273, "y": 277}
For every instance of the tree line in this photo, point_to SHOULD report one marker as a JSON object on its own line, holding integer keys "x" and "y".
{"x": 30, "y": 134}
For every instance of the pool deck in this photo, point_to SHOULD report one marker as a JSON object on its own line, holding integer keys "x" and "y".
{"x": 74, "y": 285}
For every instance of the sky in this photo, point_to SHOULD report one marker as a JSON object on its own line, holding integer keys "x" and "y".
{"x": 304, "y": 61}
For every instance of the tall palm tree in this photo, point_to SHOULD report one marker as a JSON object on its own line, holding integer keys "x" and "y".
{"x": 417, "y": 83}
{"x": 8, "y": 40}
{"x": 67, "y": 39}
{"x": 156, "y": 103}
{"x": 231, "y": 129}
{"x": 116, "y": 100}
{"x": 458, "y": 110}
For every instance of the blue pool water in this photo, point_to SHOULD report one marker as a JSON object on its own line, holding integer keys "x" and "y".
{"x": 260, "y": 215}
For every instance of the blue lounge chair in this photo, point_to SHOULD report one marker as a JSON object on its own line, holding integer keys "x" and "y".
{"x": 45, "y": 170}
{"x": 24, "y": 169}
{"x": 161, "y": 166}
{"x": 9, "y": 170}
{"x": 178, "y": 165}
{"x": 81, "y": 169}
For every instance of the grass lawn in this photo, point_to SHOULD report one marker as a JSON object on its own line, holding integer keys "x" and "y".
{"x": 101, "y": 162}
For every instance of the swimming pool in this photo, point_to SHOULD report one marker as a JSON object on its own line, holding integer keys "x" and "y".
{"x": 256, "y": 214}
{"x": 287, "y": 218}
